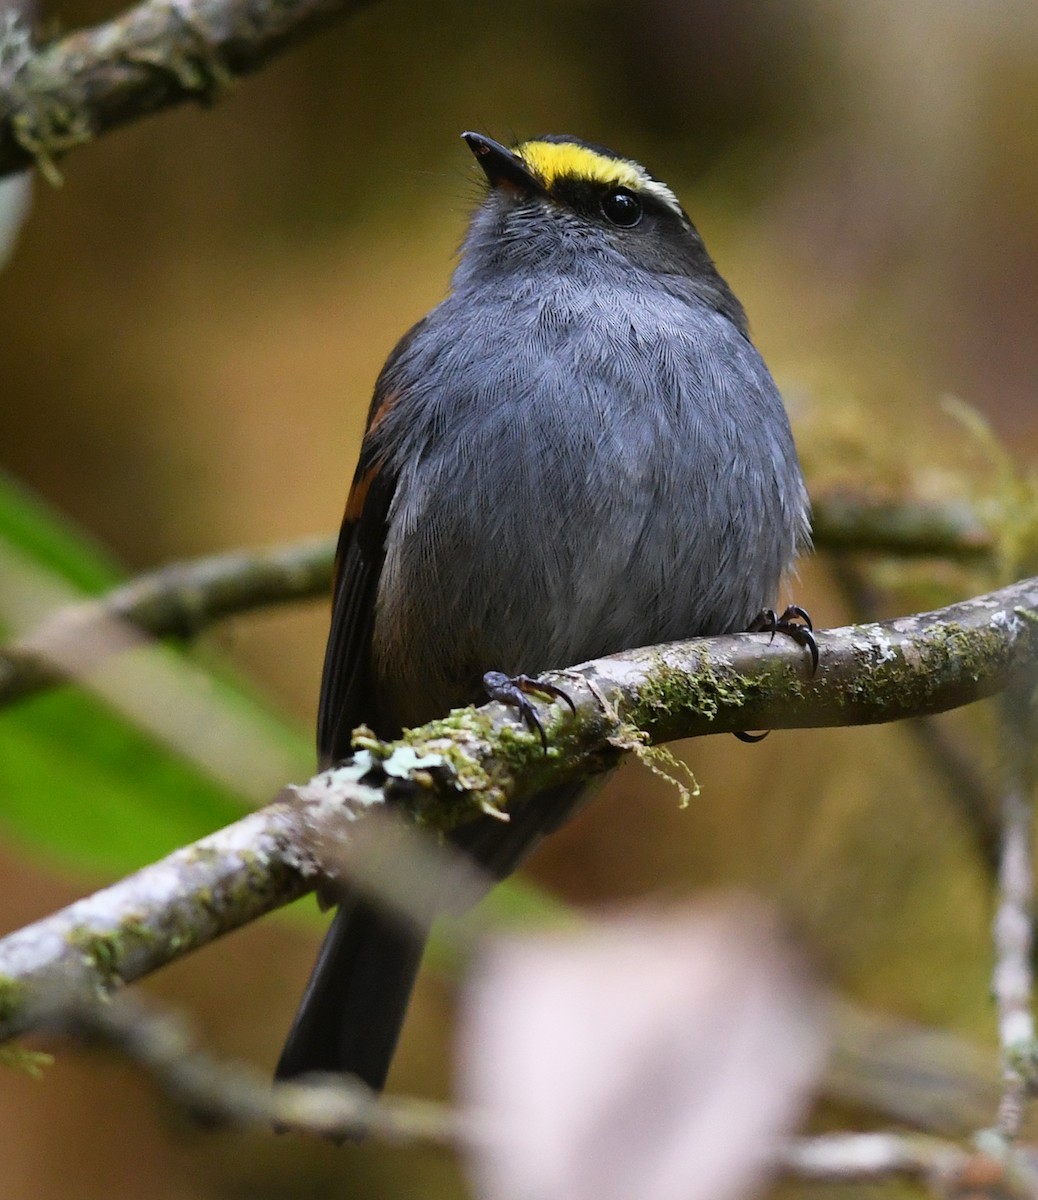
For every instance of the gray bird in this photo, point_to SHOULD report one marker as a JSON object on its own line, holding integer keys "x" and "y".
{"x": 577, "y": 452}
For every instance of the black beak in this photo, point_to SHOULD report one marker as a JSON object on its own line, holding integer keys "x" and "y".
{"x": 501, "y": 166}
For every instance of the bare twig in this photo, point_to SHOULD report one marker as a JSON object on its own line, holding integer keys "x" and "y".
{"x": 952, "y": 760}
{"x": 232, "y": 1095}
{"x": 156, "y": 55}
{"x": 928, "y": 1079}
{"x": 480, "y": 761}
{"x": 161, "y": 693}
{"x": 865, "y": 1157}
{"x": 947, "y": 1170}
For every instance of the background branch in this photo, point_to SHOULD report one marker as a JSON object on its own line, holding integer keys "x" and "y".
{"x": 844, "y": 521}
{"x": 946, "y": 1169}
{"x": 865, "y": 1157}
{"x": 953, "y": 761}
{"x": 180, "y": 600}
{"x": 232, "y": 1095}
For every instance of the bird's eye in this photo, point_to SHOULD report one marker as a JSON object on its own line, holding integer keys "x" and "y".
{"x": 622, "y": 207}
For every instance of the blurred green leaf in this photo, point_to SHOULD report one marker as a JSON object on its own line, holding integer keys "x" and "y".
{"x": 79, "y": 783}
{"x": 52, "y": 541}
{"x": 77, "y": 780}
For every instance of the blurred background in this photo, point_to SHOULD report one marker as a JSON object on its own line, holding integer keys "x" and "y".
{"x": 190, "y": 328}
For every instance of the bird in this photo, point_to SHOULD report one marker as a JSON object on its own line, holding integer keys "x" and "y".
{"x": 578, "y": 451}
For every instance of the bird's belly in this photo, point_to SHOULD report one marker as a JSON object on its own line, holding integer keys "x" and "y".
{"x": 542, "y": 567}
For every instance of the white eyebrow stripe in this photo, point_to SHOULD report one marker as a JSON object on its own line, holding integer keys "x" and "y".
{"x": 557, "y": 160}
{"x": 662, "y": 193}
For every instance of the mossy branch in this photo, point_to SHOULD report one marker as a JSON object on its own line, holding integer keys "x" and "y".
{"x": 151, "y": 57}
{"x": 480, "y": 760}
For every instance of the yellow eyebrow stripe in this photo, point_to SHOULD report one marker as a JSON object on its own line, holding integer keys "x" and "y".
{"x": 553, "y": 160}
{"x": 559, "y": 160}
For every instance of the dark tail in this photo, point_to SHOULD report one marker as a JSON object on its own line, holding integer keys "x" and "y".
{"x": 355, "y": 1002}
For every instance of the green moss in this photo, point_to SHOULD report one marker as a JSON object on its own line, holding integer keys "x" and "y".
{"x": 453, "y": 778}
{"x": 12, "y": 997}
{"x": 47, "y": 133}
{"x": 518, "y": 748}
{"x": 908, "y": 675}
{"x": 1023, "y": 1058}
{"x": 468, "y": 721}
{"x": 458, "y": 741}
{"x": 452, "y": 739}
{"x": 952, "y": 646}
{"x": 27, "y": 1062}
{"x": 671, "y": 692}
{"x": 435, "y": 772}
{"x": 107, "y": 952}
{"x": 660, "y": 760}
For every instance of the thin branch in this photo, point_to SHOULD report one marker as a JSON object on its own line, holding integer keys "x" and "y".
{"x": 946, "y": 1169}
{"x": 480, "y": 761}
{"x": 179, "y": 601}
{"x": 232, "y": 1095}
{"x": 1013, "y": 979}
{"x": 950, "y": 757}
{"x": 844, "y": 521}
{"x": 159, "y": 54}
{"x": 870, "y": 1157}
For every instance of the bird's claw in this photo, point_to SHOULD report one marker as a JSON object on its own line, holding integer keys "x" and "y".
{"x": 794, "y": 622}
{"x": 515, "y": 690}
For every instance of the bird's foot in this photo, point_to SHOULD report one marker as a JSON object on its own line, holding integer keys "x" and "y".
{"x": 794, "y": 623}
{"x": 515, "y": 690}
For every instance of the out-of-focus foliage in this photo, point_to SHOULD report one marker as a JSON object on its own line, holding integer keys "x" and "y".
{"x": 78, "y": 780}
{"x": 52, "y": 542}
